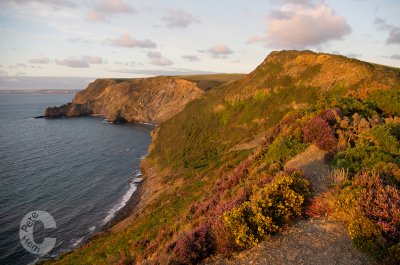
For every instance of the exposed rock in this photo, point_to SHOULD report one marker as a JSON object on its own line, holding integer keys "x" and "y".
{"x": 68, "y": 110}
{"x": 133, "y": 100}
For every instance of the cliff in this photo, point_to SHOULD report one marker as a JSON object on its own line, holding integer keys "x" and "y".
{"x": 305, "y": 136}
{"x": 150, "y": 100}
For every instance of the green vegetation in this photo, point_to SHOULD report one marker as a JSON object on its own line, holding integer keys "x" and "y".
{"x": 387, "y": 100}
{"x": 209, "y": 196}
{"x": 209, "y": 81}
{"x": 270, "y": 208}
{"x": 284, "y": 148}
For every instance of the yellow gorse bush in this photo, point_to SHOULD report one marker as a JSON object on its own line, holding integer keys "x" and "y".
{"x": 270, "y": 207}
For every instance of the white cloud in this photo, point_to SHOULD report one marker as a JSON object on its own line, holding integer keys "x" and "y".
{"x": 55, "y": 4}
{"x": 293, "y": 1}
{"x": 219, "y": 51}
{"x": 82, "y": 62}
{"x": 103, "y": 8}
{"x": 127, "y": 41}
{"x": 301, "y": 26}
{"x": 21, "y": 65}
{"x": 178, "y": 18}
{"x": 156, "y": 58}
{"x": 42, "y": 60}
{"x": 167, "y": 72}
{"x": 112, "y": 6}
{"x": 191, "y": 58}
{"x": 93, "y": 16}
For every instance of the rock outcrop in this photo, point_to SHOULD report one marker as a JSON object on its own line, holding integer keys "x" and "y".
{"x": 69, "y": 110}
{"x": 150, "y": 100}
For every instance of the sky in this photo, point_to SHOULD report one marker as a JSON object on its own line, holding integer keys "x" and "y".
{"x": 64, "y": 44}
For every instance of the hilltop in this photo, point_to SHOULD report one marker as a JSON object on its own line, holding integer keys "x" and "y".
{"x": 236, "y": 166}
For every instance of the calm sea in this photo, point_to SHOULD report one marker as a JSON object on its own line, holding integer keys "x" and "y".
{"x": 77, "y": 169}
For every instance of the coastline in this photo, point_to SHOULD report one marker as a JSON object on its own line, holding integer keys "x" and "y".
{"x": 122, "y": 214}
{"x": 127, "y": 210}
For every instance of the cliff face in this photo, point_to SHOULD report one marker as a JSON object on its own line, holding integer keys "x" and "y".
{"x": 135, "y": 100}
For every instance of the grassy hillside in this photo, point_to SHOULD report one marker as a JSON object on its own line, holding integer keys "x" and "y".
{"x": 207, "y": 82}
{"x": 210, "y": 189}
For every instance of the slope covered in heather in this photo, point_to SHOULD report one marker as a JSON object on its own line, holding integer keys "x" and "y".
{"x": 215, "y": 174}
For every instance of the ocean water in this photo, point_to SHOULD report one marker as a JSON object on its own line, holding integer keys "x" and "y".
{"x": 79, "y": 170}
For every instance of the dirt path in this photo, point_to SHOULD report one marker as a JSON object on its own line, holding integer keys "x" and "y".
{"x": 309, "y": 242}
{"x": 318, "y": 242}
{"x": 311, "y": 161}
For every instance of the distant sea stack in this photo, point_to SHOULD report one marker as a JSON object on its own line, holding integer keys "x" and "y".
{"x": 151, "y": 100}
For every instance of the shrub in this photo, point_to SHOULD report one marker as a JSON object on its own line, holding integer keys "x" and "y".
{"x": 195, "y": 246}
{"x": 394, "y": 128}
{"x": 318, "y": 131}
{"x": 349, "y": 105}
{"x": 380, "y": 202}
{"x": 270, "y": 208}
{"x": 284, "y": 148}
{"x": 387, "y": 100}
{"x": 330, "y": 115}
{"x": 381, "y": 137}
{"x": 318, "y": 207}
{"x": 224, "y": 241}
{"x": 366, "y": 234}
{"x": 362, "y": 157}
{"x": 393, "y": 254}
{"x": 375, "y": 221}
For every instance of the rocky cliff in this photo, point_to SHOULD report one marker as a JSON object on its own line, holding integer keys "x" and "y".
{"x": 132, "y": 100}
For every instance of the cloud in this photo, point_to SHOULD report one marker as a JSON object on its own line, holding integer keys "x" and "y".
{"x": 300, "y": 2}
{"x": 394, "y": 31}
{"x": 395, "y": 56}
{"x": 394, "y": 36}
{"x": 42, "y": 60}
{"x": 21, "y": 65}
{"x": 191, "y": 58}
{"x": 93, "y": 16}
{"x": 112, "y": 6}
{"x": 381, "y": 23}
{"x": 3, "y": 73}
{"x": 167, "y": 72}
{"x": 55, "y": 4}
{"x": 103, "y": 8}
{"x": 300, "y": 26}
{"x": 127, "y": 41}
{"x": 156, "y": 58}
{"x": 83, "y": 62}
{"x": 178, "y": 18}
{"x": 219, "y": 51}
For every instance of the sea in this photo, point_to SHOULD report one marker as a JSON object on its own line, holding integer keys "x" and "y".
{"x": 81, "y": 171}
